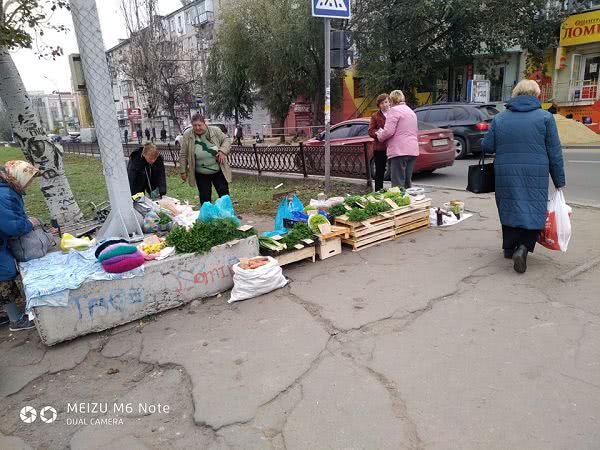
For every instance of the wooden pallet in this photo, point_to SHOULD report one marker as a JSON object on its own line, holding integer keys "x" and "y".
{"x": 368, "y": 240}
{"x": 386, "y": 226}
{"x": 411, "y": 227}
{"x": 296, "y": 255}
{"x": 420, "y": 205}
{"x": 411, "y": 217}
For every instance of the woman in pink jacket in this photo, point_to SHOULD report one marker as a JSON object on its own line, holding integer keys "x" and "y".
{"x": 400, "y": 136}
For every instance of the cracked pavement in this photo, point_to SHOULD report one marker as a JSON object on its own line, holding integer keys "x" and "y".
{"x": 428, "y": 342}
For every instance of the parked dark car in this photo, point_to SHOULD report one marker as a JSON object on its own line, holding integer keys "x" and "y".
{"x": 468, "y": 121}
{"x": 436, "y": 146}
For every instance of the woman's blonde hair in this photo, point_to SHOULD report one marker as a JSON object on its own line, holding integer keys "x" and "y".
{"x": 397, "y": 97}
{"x": 149, "y": 149}
{"x": 527, "y": 87}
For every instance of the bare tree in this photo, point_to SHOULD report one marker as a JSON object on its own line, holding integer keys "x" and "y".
{"x": 141, "y": 62}
{"x": 162, "y": 70}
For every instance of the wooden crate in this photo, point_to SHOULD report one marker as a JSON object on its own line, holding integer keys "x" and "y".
{"x": 370, "y": 240}
{"x": 296, "y": 255}
{"x": 386, "y": 226}
{"x": 329, "y": 247}
{"x": 411, "y": 227}
{"x": 336, "y": 231}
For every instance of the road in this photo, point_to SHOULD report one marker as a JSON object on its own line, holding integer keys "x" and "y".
{"x": 582, "y": 168}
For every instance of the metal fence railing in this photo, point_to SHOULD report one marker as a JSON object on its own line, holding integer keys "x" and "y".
{"x": 349, "y": 161}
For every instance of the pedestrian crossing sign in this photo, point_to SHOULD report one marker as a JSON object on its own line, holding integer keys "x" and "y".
{"x": 334, "y": 9}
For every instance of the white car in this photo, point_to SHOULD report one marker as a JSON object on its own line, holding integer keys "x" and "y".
{"x": 179, "y": 137}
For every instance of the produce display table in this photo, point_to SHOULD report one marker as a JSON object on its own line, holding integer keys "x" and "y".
{"x": 166, "y": 284}
{"x": 296, "y": 255}
{"x": 386, "y": 226}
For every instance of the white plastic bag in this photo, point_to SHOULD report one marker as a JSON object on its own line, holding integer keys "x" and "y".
{"x": 250, "y": 283}
{"x": 557, "y": 230}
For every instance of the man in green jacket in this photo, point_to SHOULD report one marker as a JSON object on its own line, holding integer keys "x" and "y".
{"x": 203, "y": 159}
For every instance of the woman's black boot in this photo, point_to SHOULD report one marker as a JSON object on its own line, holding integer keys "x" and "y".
{"x": 519, "y": 258}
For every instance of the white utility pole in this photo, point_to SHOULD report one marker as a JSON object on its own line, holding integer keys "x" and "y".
{"x": 122, "y": 221}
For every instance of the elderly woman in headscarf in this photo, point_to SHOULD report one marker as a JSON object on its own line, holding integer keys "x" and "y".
{"x": 15, "y": 178}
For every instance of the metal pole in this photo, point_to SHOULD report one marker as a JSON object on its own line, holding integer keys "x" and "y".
{"x": 327, "y": 105}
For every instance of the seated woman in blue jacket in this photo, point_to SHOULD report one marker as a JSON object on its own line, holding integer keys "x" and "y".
{"x": 527, "y": 147}
{"x": 15, "y": 177}
{"x": 146, "y": 172}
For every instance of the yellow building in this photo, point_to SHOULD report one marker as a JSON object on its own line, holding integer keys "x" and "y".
{"x": 577, "y": 68}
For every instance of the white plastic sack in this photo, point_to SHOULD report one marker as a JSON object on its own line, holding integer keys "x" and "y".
{"x": 557, "y": 230}
{"x": 250, "y": 283}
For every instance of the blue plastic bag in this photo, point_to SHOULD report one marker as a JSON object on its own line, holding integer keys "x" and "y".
{"x": 221, "y": 209}
{"x": 285, "y": 210}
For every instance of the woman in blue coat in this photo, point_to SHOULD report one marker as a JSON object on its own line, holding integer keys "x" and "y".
{"x": 15, "y": 177}
{"x": 527, "y": 147}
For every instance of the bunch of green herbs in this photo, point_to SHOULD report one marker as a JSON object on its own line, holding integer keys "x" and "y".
{"x": 293, "y": 237}
{"x": 202, "y": 236}
{"x": 371, "y": 210}
{"x": 337, "y": 210}
{"x": 398, "y": 198}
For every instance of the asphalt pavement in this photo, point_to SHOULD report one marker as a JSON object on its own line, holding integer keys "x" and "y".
{"x": 582, "y": 168}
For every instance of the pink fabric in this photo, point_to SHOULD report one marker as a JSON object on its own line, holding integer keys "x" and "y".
{"x": 400, "y": 132}
{"x": 131, "y": 262}
{"x": 119, "y": 258}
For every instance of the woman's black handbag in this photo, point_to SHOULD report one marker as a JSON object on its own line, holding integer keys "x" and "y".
{"x": 481, "y": 177}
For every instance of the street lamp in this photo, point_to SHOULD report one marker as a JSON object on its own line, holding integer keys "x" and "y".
{"x": 62, "y": 112}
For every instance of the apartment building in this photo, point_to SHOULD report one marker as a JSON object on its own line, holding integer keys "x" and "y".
{"x": 56, "y": 110}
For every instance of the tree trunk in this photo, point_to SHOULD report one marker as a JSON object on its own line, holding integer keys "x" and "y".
{"x": 36, "y": 147}
{"x": 171, "y": 109}
{"x": 281, "y": 126}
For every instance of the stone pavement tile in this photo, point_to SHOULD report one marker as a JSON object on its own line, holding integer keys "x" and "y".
{"x": 344, "y": 406}
{"x": 244, "y": 437}
{"x": 18, "y": 350}
{"x": 99, "y": 439}
{"x": 123, "y": 345}
{"x": 99, "y": 380}
{"x": 238, "y": 357}
{"x": 393, "y": 278}
{"x": 13, "y": 443}
{"x": 17, "y": 371}
{"x": 581, "y": 292}
{"x": 496, "y": 367}
{"x": 271, "y": 418}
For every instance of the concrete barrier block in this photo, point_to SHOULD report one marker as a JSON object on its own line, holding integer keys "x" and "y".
{"x": 167, "y": 284}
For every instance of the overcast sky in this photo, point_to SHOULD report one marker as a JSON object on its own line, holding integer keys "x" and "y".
{"x": 34, "y": 70}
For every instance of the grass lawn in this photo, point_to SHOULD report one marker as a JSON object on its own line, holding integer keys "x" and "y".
{"x": 250, "y": 194}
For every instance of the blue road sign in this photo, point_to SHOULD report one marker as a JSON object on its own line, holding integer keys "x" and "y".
{"x": 334, "y": 9}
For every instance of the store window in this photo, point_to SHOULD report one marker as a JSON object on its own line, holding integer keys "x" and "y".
{"x": 359, "y": 88}
{"x": 591, "y": 67}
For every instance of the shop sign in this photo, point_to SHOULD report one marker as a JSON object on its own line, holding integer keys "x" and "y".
{"x": 580, "y": 29}
{"x": 134, "y": 113}
{"x": 469, "y": 71}
{"x": 302, "y": 108}
{"x": 121, "y": 115}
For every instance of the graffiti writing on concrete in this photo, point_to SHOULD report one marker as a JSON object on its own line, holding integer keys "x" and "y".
{"x": 115, "y": 300}
{"x": 186, "y": 280}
